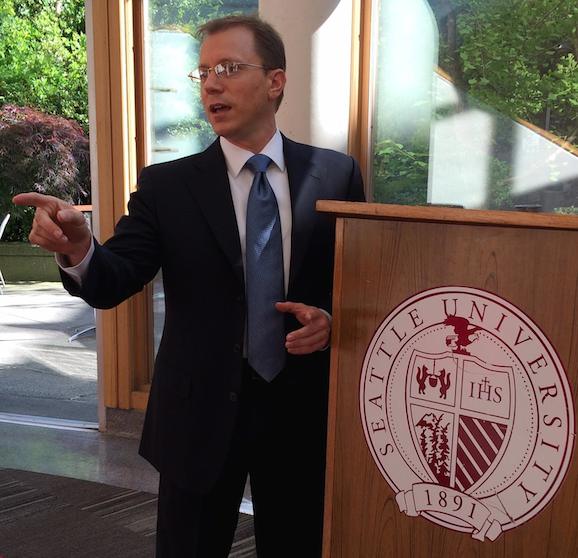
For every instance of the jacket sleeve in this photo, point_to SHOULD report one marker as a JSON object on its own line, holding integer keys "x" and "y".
{"x": 126, "y": 262}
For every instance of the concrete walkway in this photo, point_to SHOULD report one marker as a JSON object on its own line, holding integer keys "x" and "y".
{"x": 41, "y": 372}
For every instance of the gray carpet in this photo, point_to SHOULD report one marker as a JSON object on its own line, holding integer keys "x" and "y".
{"x": 45, "y": 516}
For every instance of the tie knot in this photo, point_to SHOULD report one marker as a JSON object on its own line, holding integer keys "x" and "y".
{"x": 258, "y": 163}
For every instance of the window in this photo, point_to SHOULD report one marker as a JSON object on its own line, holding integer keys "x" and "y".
{"x": 475, "y": 104}
{"x": 176, "y": 124}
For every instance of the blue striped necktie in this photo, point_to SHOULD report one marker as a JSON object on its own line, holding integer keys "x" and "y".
{"x": 264, "y": 275}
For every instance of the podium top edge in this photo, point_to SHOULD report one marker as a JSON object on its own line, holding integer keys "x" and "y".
{"x": 439, "y": 214}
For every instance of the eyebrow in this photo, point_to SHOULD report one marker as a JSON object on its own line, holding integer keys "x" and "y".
{"x": 222, "y": 61}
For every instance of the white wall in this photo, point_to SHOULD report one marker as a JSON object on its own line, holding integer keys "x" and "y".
{"x": 317, "y": 36}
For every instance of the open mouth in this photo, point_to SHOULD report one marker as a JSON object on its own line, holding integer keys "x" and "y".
{"x": 218, "y": 108}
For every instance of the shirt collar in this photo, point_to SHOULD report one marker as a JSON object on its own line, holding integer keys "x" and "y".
{"x": 236, "y": 157}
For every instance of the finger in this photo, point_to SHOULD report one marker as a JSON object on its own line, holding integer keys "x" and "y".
{"x": 51, "y": 245}
{"x": 44, "y": 226}
{"x": 311, "y": 345}
{"x": 310, "y": 337}
{"x": 312, "y": 319}
{"x": 319, "y": 337}
{"x": 307, "y": 330}
{"x": 291, "y": 307}
{"x": 33, "y": 199}
{"x": 304, "y": 314}
{"x": 72, "y": 217}
{"x": 74, "y": 225}
{"x": 46, "y": 238}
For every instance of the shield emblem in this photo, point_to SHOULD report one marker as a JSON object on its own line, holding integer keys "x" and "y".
{"x": 461, "y": 411}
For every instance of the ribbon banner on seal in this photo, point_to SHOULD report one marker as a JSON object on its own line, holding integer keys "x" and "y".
{"x": 427, "y": 497}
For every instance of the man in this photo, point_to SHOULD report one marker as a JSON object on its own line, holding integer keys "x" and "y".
{"x": 220, "y": 409}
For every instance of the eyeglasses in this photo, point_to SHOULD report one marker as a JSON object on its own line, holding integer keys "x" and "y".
{"x": 224, "y": 69}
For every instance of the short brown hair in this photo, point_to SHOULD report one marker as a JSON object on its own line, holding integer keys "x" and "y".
{"x": 268, "y": 43}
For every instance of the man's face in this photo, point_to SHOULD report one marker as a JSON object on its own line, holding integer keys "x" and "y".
{"x": 240, "y": 107}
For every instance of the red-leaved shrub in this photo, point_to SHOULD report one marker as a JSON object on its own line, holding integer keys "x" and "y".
{"x": 40, "y": 153}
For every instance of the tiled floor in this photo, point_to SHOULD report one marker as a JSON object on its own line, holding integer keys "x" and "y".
{"x": 81, "y": 454}
{"x": 87, "y": 455}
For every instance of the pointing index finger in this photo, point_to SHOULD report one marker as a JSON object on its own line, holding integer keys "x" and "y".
{"x": 32, "y": 199}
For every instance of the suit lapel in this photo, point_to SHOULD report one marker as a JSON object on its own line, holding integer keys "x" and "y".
{"x": 305, "y": 176}
{"x": 213, "y": 193}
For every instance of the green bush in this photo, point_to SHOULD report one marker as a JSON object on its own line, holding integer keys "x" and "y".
{"x": 519, "y": 57}
{"x": 188, "y": 15}
{"x": 41, "y": 153}
{"x": 42, "y": 65}
{"x": 43, "y": 56}
{"x": 569, "y": 210}
{"x": 400, "y": 173}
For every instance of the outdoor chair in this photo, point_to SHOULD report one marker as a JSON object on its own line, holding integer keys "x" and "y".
{"x": 2, "y": 228}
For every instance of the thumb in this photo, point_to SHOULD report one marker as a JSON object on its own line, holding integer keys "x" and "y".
{"x": 302, "y": 312}
{"x": 72, "y": 217}
{"x": 73, "y": 224}
{"x": 287, "y": 306}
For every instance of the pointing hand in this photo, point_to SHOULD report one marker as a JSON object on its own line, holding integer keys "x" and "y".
{"x": 57, "y": 226}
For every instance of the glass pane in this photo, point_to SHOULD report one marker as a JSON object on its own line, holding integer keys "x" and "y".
{"x": 177, "y": 124}
{"x": 47, "y": 345}
{"x": 475, "y": 104}
{"x": 48, "y": 364}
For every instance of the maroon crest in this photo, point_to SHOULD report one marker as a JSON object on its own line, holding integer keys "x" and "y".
{"x": 467, "y": 410}
{"x": 461, "y": 412}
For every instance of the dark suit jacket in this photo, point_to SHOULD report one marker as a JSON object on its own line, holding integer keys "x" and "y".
{"x": 182, "y": 220}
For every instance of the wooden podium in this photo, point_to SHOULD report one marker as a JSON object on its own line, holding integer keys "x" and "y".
{"x": 525, "y": 264}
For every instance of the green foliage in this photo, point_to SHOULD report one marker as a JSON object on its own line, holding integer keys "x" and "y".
{"x": 41, "y": 153}
{"x": 517, "y": 59}
{"x": 520, "y": 57}
{"x": 188, "y": 15}
{"x": 401, "y": 176}
{"x": 400, "y": 173}
{"x": 569, "y": 210}
{"x": 562, "y": 85}
{"x": 71, "y": 18}
{"x": 499, "y": 185}
{"x": 43, "y": 56}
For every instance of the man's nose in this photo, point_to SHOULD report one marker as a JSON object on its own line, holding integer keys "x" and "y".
{"x": 212, "y": 83}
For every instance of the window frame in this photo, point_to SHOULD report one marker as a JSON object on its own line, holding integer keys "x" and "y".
{"x": 118, "y": 144}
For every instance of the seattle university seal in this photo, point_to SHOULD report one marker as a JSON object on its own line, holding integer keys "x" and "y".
{"x": 467, "y": 411}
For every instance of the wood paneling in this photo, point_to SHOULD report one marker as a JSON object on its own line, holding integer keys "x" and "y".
{"x": 103, "y": 219}
{"x": 359, "y": 125}
{"x": 448, "y": 215}
{"x": 125, "y": 333}
{"x": 139, "y": 399}
{"x": 384, "y": 260}
{"x": 143, "y": 308}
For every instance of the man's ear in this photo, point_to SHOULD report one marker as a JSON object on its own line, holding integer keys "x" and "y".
{"x": 278, "y": 80}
